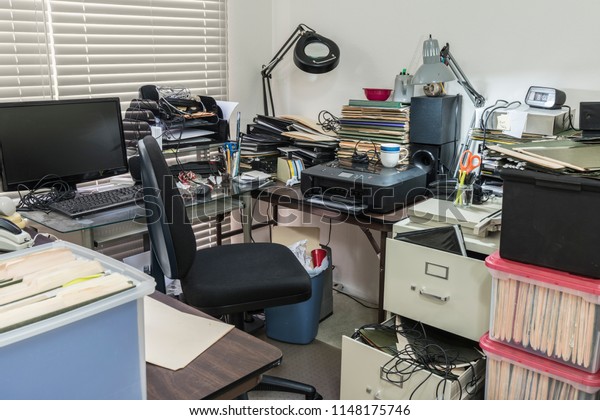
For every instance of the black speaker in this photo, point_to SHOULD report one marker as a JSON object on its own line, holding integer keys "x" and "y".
{"x": 589, "y": 116}
{"x": 434, "y": 159}
{"x": 434, "y": 119}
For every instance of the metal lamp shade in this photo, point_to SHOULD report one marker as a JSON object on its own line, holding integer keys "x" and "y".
{"x": 432, "y": 70}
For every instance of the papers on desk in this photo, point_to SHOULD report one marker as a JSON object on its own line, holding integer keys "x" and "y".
{"x": 174, "y": 338}
{"x": 252, "y": 176}
{"x": 477, "y": 219}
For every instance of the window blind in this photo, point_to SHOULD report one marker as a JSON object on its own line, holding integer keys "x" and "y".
{"x": 61, "y": 49}
{"x": 80, "y": 48}
{"x": 24, "y": 54}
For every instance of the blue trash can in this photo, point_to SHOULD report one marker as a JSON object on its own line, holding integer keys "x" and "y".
{"x": 297, "y": 323}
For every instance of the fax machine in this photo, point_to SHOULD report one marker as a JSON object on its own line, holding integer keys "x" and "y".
{"x": 356, "y": 187}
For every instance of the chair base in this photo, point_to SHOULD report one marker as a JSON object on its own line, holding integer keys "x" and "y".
{"x": 273, "y": 383}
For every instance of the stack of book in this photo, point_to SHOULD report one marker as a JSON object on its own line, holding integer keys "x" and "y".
{"x": 365, "y": 124}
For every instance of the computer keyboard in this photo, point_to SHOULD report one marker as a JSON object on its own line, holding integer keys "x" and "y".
{"x": 86, "y": 203}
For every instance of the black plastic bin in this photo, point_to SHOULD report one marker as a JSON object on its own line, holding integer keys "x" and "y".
{"x": 551, "y": 221}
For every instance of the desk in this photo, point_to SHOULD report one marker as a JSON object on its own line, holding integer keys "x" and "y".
{"x": 291, "y": 197}
{"x": 230, "y": 367}
{"x": 131, "y": 218}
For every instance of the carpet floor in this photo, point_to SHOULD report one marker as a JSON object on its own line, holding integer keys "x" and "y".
{"x": 319, "y": 363}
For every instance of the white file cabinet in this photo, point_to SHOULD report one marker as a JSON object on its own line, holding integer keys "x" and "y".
{"x": 369, "y": 374}
{"x": 447, "y": 291}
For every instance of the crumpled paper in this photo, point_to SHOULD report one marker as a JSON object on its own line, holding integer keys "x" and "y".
{"x": 299, "y": 250}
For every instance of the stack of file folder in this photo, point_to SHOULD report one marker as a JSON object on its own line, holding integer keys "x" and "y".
{"x": 364, "y": 125}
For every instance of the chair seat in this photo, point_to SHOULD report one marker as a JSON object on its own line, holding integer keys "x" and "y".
{"x": 245, "y": 277}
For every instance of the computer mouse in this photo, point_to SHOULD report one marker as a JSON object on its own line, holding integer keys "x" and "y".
{"x": 9, "y": 226}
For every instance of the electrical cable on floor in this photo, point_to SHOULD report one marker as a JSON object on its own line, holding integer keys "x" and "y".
{"x": 355, "y": 299}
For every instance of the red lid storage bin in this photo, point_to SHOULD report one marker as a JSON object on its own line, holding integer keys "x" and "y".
{"x": 513, "y": 374}
{"x": 546, "y": 312}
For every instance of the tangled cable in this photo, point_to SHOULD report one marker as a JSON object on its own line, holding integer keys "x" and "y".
{"x": 328, "y": 121}
{"x": 54, "y": 189}
{"x": 423, "y": 354}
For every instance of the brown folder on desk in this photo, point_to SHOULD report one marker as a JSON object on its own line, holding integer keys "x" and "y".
{"x": 174, "y": 338}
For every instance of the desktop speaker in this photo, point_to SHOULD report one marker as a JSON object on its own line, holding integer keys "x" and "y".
{"x": 434, "y": 159}
{"x": 434, "y": 120}
{"x": 589, "y": 116}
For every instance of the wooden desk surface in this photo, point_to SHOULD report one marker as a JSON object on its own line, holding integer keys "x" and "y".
{"x": 228, "y": 368}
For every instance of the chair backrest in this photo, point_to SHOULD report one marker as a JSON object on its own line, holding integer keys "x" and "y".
{"x": 172, "y": 239}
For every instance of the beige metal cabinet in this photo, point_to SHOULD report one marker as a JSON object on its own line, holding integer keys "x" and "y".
{"x": 444, "y": 290}
{"x": 364, "y": 377}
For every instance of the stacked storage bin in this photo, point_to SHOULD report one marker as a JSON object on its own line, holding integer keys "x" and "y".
{"x": 544, "y": 338}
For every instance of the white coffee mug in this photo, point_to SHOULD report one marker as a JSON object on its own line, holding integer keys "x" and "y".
{"x": 389, "y": 154}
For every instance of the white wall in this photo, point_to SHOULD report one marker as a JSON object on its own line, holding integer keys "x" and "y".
{"x": 503, "y": 47}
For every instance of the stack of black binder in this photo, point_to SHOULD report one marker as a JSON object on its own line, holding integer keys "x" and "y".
{"x": 263, "y": 137}
{"x": 290, "y": 137}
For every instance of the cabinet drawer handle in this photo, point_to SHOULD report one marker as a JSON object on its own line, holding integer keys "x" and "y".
{"x": 431, "y": 295}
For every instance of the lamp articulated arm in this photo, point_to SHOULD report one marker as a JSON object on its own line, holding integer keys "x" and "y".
{"x": 461, "y": 78}
{"x": 267, "y": 69}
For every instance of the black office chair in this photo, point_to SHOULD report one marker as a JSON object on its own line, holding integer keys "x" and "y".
{"x": 227, "y": 280}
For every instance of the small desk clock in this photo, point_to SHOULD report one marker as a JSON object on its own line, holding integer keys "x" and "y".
{"x": 545, "y": 97}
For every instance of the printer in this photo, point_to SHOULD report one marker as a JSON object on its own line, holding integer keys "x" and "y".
{"x": 357, "y": 187}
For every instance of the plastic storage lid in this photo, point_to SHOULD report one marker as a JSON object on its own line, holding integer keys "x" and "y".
{"x": 541, "y": 364}
{"x": 545, "y": 275}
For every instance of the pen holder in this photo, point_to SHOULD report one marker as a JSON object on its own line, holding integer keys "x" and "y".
{"x": 464, "y": 195}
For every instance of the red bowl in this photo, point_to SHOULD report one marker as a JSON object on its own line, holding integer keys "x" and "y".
{"x": 377, "y": 94}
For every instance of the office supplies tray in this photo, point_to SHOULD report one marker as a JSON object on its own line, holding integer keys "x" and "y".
{"x": 93, "y": 351}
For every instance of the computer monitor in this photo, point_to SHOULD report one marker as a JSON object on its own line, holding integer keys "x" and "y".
{"x": 72, "y": 140}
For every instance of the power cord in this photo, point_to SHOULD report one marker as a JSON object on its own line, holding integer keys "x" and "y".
{"x": 422, "y": 354}
{"x": 328, "y": 121}
{"x": 571, "y": 126}
{"x": 54, "y": 190}
{"x": 364, "y": 156}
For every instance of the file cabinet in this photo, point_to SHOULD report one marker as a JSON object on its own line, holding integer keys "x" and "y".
{"x": 369, "y": 374}
{"x": 447, "y": 291}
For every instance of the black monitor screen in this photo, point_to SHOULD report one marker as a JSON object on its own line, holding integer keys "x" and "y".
{"x": 72, "y": 140}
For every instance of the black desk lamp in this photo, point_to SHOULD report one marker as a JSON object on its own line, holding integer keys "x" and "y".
{"x": 313, "y": 54}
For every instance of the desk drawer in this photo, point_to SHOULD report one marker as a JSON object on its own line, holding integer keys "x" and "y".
{"x": 364, "y": 377}
{"x": 444, "y": 290}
